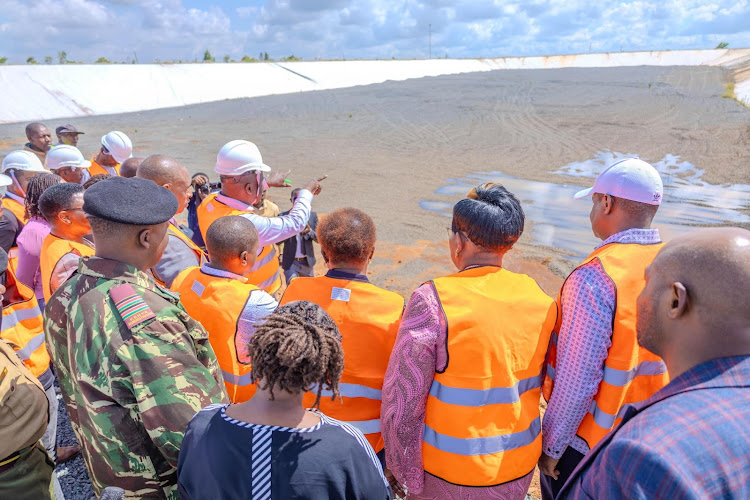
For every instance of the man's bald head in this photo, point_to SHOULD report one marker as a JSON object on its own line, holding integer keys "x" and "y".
{"x": 129, "y": 167}
{"x": 39, "y": 136}
{"x": 232, "y": 244}
{"x": 169, "y": 173}
{"x": 696, "y": 303}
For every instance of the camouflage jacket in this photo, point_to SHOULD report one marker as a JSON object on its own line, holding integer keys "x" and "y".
{"x": 134, "y": 368}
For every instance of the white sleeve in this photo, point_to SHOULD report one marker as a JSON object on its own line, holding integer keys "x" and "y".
{"x": 276, "y": 229}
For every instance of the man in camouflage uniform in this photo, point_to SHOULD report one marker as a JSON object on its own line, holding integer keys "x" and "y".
{"x": 133, "y": 366}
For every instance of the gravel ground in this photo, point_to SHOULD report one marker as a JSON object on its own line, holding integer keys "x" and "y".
{"x": 72, "y": 475}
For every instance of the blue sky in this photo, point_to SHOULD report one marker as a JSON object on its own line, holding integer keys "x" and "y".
{"x": 164, "y": 30}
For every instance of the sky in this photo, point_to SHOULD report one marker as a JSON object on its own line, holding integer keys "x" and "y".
{"x": 171, "y": 30}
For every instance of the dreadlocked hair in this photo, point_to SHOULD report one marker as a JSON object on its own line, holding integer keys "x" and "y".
{"x": 296, "y": 349}
{"x": 37, "y": 185}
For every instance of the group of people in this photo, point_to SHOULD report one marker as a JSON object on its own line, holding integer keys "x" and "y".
{"x": 190, "y": 369}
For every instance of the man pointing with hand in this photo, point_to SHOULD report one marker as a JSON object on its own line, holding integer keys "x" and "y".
{"x": 241, "y": 170}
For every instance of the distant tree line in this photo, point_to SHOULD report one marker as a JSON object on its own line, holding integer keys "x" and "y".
{"x": 62, "y": 58}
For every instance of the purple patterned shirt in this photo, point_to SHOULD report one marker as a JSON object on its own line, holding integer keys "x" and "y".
{"x": 584, "y": 339}
{"x": 689, "y": 440}
{"x": 420, "y": 351}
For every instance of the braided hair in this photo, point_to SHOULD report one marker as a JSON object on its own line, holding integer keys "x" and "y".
{"x": 37, "y": 185}
{"x": 296, "y": 349}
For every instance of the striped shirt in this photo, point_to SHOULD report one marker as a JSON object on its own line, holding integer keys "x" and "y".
{"x": 222, "y": 457}
{"x": 588, "y": 298}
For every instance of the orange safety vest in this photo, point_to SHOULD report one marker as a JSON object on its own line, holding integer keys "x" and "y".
{"x": 18, "y": 209}
{"x": 266, "y": 273}
{"x": 23, "y": 325}
{"x": 96, "y": 169}
{"x": 177, "y": 232}
{"x": 54, "y": 249}
{"x": 368, "y": 318}
{"x": 482, "y": 422}
{"x": 218, "y": 303}
{"x": 631, "y": 373}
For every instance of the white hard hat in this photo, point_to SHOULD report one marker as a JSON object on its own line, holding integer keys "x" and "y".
{"x": 118, "y": 145}
{"x": 22, "y": 160}
{"x": 238, "y": 157}
{"x": 630, "y": 179}
{"x": 5, "y": 180}
{"x": 64, "y": 155}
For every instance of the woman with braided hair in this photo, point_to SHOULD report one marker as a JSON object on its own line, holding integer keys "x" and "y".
{"x": 33, "y": 234}
{"x": 271, "y": 447}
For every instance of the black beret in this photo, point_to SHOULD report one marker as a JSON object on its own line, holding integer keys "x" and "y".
{"x": 130, "y": 201}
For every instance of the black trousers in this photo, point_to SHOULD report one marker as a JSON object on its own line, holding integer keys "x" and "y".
{"x": 567, "y": 464}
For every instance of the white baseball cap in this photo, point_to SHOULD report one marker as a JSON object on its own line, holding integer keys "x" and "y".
{"x": 630, "y": 179}
{"x": 22, "y": 160}
{"x": 238, "y": 157}
{"x": 118, "y": 145}
{"x": 64, "y": 155}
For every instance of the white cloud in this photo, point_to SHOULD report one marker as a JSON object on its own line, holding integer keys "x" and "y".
{"x": 183, "y": 29}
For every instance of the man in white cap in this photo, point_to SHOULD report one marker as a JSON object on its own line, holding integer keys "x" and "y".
{"x": 595, "y": 366}
{"x": 68, "y": 162}
{"x": 241, "y": 170}
{"x": 116, "y": 148}
{"x": 20, "y": 166}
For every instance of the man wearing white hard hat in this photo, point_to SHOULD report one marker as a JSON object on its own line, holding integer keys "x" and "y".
{"x": 241, "y": 170}
{"x": 20, "y": 166}
{"x": 116, "y": 148}
{"x": 68, "y": 162}
{"x": 595, "y": 367}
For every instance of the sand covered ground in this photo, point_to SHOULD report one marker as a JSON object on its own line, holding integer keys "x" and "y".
{"x": 387, "y": 147}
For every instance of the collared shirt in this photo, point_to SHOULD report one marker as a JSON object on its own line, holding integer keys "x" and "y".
{"x": 258, "y": 306}
{"x": 30, "y": 242}
{"x": 275, "y": 229}
{"x": 588, "y": 298}
{"x": 134, "y": 368}
{"x": 689, "y": 440}
{"x": 343, "y": 275}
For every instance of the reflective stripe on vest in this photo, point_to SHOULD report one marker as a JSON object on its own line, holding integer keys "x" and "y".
{"x": 483, "y": 445}
{"x": 22, "y": 324}
{"x": 631, "y": 374}
{"x": 54, "y": 249}
{"x": 482, "y": 397}
{"x": 368, "y": 318}
{"x": 482, "y": 423}
{"x": 241, "y": 380}
{"x": 218, "y": 304}
{"x": 266, "y": 273}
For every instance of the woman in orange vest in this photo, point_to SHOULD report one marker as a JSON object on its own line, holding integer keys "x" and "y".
{"x": 219, "y": 295}
{"x": 62, "y": 206}
{"x": 461, "y": 397}
{"x": 367, "y": 317}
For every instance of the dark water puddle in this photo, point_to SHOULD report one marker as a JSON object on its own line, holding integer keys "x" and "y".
{"x": 560, "y": 221}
